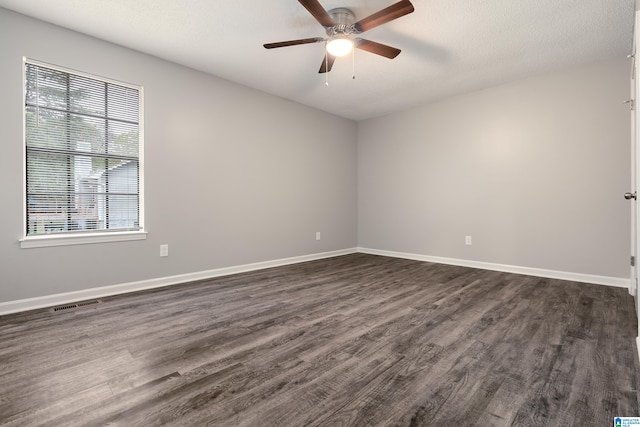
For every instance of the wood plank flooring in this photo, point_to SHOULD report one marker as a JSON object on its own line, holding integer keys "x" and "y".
{"x": 357, "y": 340}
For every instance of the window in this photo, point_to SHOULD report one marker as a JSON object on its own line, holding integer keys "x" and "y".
{"x": 83, "y": 144}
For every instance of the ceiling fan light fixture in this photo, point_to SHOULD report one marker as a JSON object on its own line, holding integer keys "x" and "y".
{"x": 339, "y": 46}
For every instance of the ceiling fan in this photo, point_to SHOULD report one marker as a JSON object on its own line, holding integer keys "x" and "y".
{"x": 340, "y": 27}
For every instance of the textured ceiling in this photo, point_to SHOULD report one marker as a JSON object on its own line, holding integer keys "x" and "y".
{"x": 448, "y": 46}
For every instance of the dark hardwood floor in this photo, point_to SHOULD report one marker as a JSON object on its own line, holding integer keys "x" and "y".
{"x": 354, "y": 340}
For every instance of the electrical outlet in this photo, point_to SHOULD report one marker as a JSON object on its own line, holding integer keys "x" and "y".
{"x": 467, "y": 240}
{"x": 164, "y": 250}
{"x": 317, "y": 235}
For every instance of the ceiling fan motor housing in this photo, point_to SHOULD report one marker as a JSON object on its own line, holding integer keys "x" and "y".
{"x": 344, "y": 19}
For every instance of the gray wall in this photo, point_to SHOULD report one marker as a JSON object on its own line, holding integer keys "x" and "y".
{"x": 233, "y": 176}
{"x": 534, "y": 171}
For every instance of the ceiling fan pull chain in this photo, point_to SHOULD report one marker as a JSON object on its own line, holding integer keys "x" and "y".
{"x": 353, "y": 64}
{"x": 326, "y": 65}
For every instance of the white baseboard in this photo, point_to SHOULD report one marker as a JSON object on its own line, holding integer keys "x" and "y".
{"x": 104, "y": 291}
{"x": 619, "y": 282}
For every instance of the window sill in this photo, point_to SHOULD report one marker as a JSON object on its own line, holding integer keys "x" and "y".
{"x": 80, "y": 239}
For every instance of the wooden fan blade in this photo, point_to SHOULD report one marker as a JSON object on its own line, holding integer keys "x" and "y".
{"x": 318, "y": 12}
{"x": 395, "y": 11}
{"x": 293, "y": 42}
{"x": 377, "y": 48}
{"x": 327, "y": 63}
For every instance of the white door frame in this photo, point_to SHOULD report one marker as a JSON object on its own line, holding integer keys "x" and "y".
{"x": 634, "y": 163}
{"x": 635, "y": 167}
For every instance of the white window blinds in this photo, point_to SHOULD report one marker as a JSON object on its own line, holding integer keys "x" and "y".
{"x": 82, "y": 153}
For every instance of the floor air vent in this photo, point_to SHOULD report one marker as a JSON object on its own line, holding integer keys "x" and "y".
{"x": 67, "y": 307}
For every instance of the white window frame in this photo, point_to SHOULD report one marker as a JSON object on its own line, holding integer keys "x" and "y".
{"x": 79, "y": 238}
